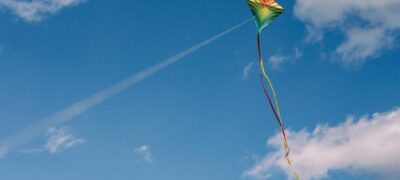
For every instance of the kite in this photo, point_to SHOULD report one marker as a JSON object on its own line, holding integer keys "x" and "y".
{"x": 264, "y": 12}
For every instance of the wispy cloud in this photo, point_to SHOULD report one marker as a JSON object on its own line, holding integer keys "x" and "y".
{"x": 275, "y": 61}
{"x": 369, "y": 144}
{"x": 297, "y": 53}
{"x": 29, "y": 151}
{"x": 59, "y": 139}
{"x": 246, "y": 70}
{"x": 20, "y": 138}
{"x": 36, "y": 10}
{"x": 145, "y": 153}
{"x": 362, "y": 43}
{"x": 3, "y": 151}
{"x": 2, "y": 48}
{"x": 367, "y": 35}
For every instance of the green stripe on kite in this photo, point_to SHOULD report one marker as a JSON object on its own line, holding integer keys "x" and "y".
{"x": 265, "y": 12}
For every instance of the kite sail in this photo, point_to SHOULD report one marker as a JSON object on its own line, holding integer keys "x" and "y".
{"x": 265, "y": 11}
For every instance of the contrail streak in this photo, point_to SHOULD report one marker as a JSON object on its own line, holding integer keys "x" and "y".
{"x": 65, "y": 115}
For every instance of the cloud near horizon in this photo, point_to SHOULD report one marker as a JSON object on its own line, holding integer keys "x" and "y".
{"x": 366, "y": 145}
{"x": 369, "y": 26}
{"x": 36, "y": 10}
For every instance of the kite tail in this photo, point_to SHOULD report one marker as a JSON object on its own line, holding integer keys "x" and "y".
{"x": 277, "y": 111}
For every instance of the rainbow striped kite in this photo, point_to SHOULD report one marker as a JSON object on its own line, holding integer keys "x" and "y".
{"x": 265, "y": 11}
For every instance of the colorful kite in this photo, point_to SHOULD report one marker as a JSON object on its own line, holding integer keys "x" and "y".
{"x": 265, "y": 11}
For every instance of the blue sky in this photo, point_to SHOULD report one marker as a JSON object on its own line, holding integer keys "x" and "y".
{"x": 204, "y": 117}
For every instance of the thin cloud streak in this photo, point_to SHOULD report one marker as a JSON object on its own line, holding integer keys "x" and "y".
{"x": 29, "y": 151}
{"x": 67, "y": 114}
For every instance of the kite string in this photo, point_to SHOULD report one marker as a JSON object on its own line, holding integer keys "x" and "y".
{"x": 277, "y": 111}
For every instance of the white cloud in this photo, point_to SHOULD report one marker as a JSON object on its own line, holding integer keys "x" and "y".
{"x": 144, "y": 152}
{"x": 246, "y": 71}
{"x": 61, "y": 139}
{"x": 363, "y": 43}
{"x": 275, "y": 61}
{"x": 36, "y": 10}
{"x": 369, "y": 144}
{"x": 356, "y": 18}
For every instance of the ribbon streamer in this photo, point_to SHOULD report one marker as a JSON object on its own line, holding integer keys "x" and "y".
{"x": 275, "y": 109}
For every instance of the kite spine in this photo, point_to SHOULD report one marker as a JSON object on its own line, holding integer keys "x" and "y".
{"x": 277, "y": 111}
